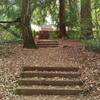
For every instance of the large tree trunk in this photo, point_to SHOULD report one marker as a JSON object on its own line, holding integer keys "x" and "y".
{"x": 26, "y": 12}
{"x": 86, "y": 19}
{"x": 62, "y": 25}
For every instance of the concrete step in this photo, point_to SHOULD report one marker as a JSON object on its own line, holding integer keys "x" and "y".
{"x": 52, "y": 82}
{"x": 30, "y": 74}
{"x": 70, "y": 69}
{"x": 41, "y": 90}
{"x": 46, "y": 45}
{"x": 47, "y": 41}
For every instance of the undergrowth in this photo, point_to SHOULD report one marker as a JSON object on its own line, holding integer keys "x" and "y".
{"x": 93, "y": 44}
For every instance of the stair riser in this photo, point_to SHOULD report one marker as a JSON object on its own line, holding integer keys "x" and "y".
{"x": 48, "y": 42}
{"x": 48, "y": 83}
{"x": 73, "y": 69}
{"x": 47, "y": 92}
{"x": 49, "y": 75}
{"x": 47, "y": 45}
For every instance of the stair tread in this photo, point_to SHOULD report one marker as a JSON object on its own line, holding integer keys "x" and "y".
{"x": 39, "y": 81}
{"x": 51, "y": 79}
{"x": 36, "y": 90}
{"x": 50, "y": 74}
{"x": 50, "y": 87}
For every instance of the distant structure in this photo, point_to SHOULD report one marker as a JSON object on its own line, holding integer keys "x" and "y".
{"x": 45, "y": 30}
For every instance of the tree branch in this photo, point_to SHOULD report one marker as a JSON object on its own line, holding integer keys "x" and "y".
{"x": 15, "y": 21}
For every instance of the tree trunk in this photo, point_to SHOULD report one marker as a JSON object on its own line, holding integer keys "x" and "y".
{"x": 26, "y": 12}
{"x": 86, "y": 19}
{"x": 62, "y": 25}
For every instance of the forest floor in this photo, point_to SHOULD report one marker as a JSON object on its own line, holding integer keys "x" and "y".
{"x": 13, "y": 57}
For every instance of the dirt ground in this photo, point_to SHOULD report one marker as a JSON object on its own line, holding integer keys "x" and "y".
{"x": 13, "y": 57}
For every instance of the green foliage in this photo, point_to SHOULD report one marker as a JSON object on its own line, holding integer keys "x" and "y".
{"x": 7, "y": 37}
{"x": 10, "y": 10}
{"x": 72, "y": 13}
{"x": 54, "y": 35}
{"x": 74, "y": 35}
{"x": 93, "y": 44}
{"x": 42, "y": 9}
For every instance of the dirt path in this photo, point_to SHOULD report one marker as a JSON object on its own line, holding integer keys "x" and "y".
{"x": 13, "y": 57}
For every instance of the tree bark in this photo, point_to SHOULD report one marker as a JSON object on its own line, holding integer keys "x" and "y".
{"x": 25, "y": 19}
{"x": 86, "y": 19}
{"x": 62, "y": 25}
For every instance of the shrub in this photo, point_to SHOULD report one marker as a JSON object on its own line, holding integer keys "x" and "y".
{"x": 54, "y": 35}
{"x": 93, "y": 44}
{"x": 73, "y": 35}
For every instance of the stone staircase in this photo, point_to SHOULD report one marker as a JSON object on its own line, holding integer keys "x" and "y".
{"x": 50, "y": 81}
{"x": 47, "y": 43}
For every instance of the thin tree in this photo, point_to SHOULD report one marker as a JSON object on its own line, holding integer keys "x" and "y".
{"x": 86, "y": 19}
{"x": 62, "y": 25}
{"x": 25, "y": 25}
